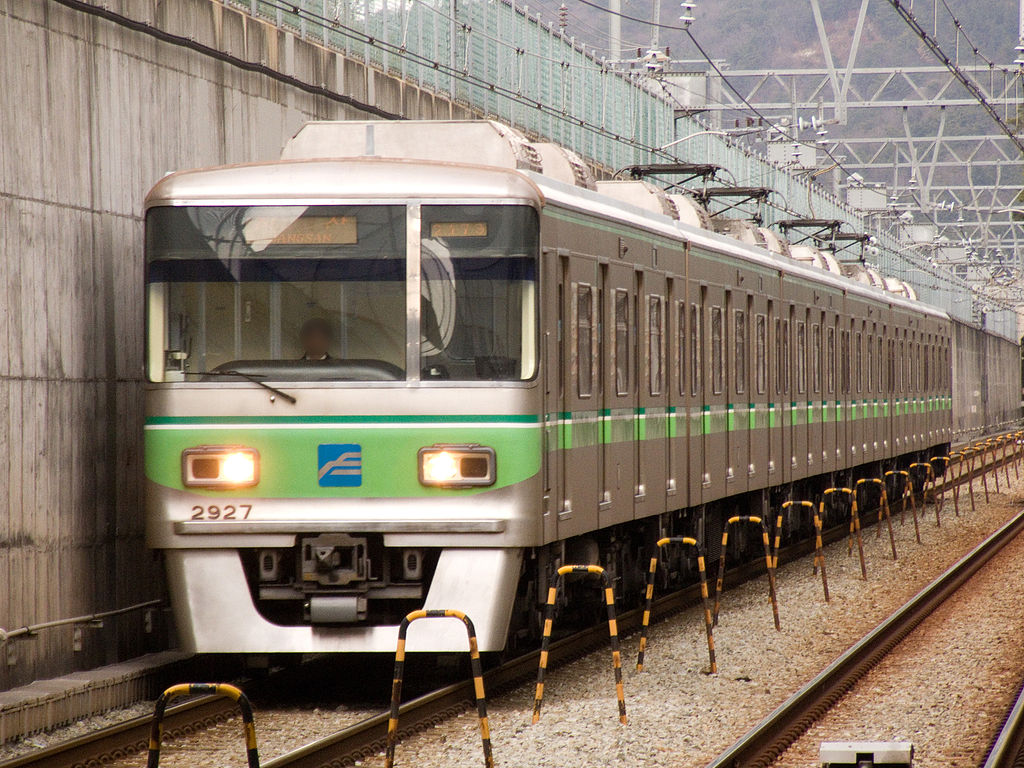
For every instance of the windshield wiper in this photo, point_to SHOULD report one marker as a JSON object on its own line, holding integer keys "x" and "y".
{"x": 248, "y": 377}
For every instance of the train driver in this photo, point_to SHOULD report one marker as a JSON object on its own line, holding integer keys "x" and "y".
{"x": 315, "y": 338}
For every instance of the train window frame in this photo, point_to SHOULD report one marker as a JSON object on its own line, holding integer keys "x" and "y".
{"x": 681, "y": 350}
{"x": 717, "y": 341}
{"x": 784, "y": 359}
{"x": 869, "y": 378}
{"x": 761, "y": 353}
{"x": 801, "y": 357}
{"x": 830, "y": 361}
{"x": 655, "y": 344}
{"x": 739, "y": 340}
{"x": 621, "y": 341}
{"x": 816, "y": 357}
{"x": 696, "y": 349}
{"x": 859, "y": 358}
{"x": 583, "y": 330}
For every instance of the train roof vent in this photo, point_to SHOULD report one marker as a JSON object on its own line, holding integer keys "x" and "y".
{"x": 740, "y": 229}
{"x": 900, "y": 288}
{"x": 864, "y": 275}
{"x": 812, "y": 256}
{"x": 481, "y": 142}
{"x": 775, "y": 243}
{"x": 691, "y": 211}
{"x": 564, "y": 165}
{"x": 642, "y": 194}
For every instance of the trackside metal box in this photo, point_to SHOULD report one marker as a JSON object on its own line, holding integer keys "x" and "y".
{"x": 866, "y": 754}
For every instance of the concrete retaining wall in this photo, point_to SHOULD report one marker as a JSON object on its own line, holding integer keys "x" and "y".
{"x": 92, "y": 112}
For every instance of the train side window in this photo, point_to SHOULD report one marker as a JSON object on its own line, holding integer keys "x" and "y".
{"x": 740, "y": 348}
{"x": 878, "y": 363}
{"x": 816, "y": 357}
{"x": 761, "y": 353}
{"x": 681, "y": 345}
{"x": 584, "y": 340}
{"x": 844, "y": 362}
{"x": 655, "y": 344}
{"x": 801, "y": 357}
{"x": 830, "y": 359}
{"x": 717, "y": 352}
{"x": 859, "y": 340}
{"x": 695, "y": 350}
{"x": 870, "y": 352}
{"x": 621, "y": 351}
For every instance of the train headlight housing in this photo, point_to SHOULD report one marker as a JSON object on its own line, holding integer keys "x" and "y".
{"x": 220, "y": 466}
{"x": 457, "y": 466}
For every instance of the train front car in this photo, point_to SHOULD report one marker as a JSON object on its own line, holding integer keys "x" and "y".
{"x": 342, "y": 408}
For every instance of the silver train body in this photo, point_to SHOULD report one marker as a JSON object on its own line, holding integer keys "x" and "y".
{"x": 514, "y": 370}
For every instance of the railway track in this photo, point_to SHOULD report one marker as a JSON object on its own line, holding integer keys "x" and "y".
{"x": 1007, "y": 750}
{"x": 367, "y": 737}
{"x": 763, "y": 744}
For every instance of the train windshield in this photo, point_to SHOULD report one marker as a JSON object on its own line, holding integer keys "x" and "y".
{"x": 318, "y": 293}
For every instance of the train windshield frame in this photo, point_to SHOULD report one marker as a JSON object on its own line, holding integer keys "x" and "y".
{"x": 326, "y": 293}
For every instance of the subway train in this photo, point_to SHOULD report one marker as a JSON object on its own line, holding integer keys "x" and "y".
{"x": 424, "y": 364}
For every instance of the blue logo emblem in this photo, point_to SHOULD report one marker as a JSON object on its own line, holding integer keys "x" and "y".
{"x": 340, "y": 465}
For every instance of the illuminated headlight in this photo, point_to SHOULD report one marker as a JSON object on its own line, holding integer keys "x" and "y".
{"x": 456, "y": 466}
{"x": 220, "y": 466}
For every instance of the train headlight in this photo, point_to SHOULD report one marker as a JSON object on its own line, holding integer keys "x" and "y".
{"x": 457, "y": 466}
{"x": 220, "y": 466}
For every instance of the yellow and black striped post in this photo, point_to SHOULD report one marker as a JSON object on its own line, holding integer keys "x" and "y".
{"x": 649, "y": 599}
{"x": 900, "y": 484}
{"x": 927, "y": 477}
{"x": 940, "y": 464}
{"x": 613, "y": 633}
{"x": 1005, "y": 440}
{"x": 156, "y": 730}
{"x": 969, "y": 453}
{"x": 819, "y": 552}
{"x": 474, "y": 663}
{"x": 883, "y": 508}
{"x": 854, "y": 523}
{"x": 768, "y": 562}
{"x": 982, "y": 450}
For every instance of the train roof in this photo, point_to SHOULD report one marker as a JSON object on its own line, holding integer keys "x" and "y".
{"x": 594, "y": 202}
{"x": 291, "y": 182}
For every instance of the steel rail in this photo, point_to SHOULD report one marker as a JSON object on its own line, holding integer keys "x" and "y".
{"x": 127, "y": 738}
{"x": 763, "y": 744}
{"x": 1007, "y": 751}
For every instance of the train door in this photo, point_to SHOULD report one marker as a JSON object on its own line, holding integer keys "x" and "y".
{"x": 830, "y": 405}
{"x": 801, "y": 416}
{"x": 579, "y": 416}
{"x": 738, "y": 363}
{"x": 759, "y": 433}
{"x": 783, "y": 387}
{"x": 857, "y": 436}
{"x": 843, "y": 430}
{"x": 776, "y": 462}
{"x": 713, "y": 427}
{"x": 555, "y": 266}
{"x": 677, "y": 372}
{"x": 617, "y": 415}
{"x": 815, "y": 382}
{"x": 652, "y": 406}
{"x": 695, "y": 375}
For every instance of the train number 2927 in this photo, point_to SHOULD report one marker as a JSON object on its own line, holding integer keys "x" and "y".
{"x": 226, "y": 512}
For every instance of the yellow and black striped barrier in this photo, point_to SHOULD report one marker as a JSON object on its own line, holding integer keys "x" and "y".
{"x": 883, "y": 507}
{"x": 819, "y": 552}
{"x": 613, "y": 633}
{"x": 940, "y": 465}
{"x": 982, "y": 450}
{"x": 474, "y": 662}
{"x": 156, "y": 731}
{"x": 768, "y": 562}
{"x": 649, "y": 599}
{"x": 898, "y": 487}
{"x": 831, "y": 494}
{"x": 968, "y": 453}
{"x": 922, "y": 475}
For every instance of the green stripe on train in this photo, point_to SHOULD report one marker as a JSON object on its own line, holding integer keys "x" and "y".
{"x": 289, "y": 462}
